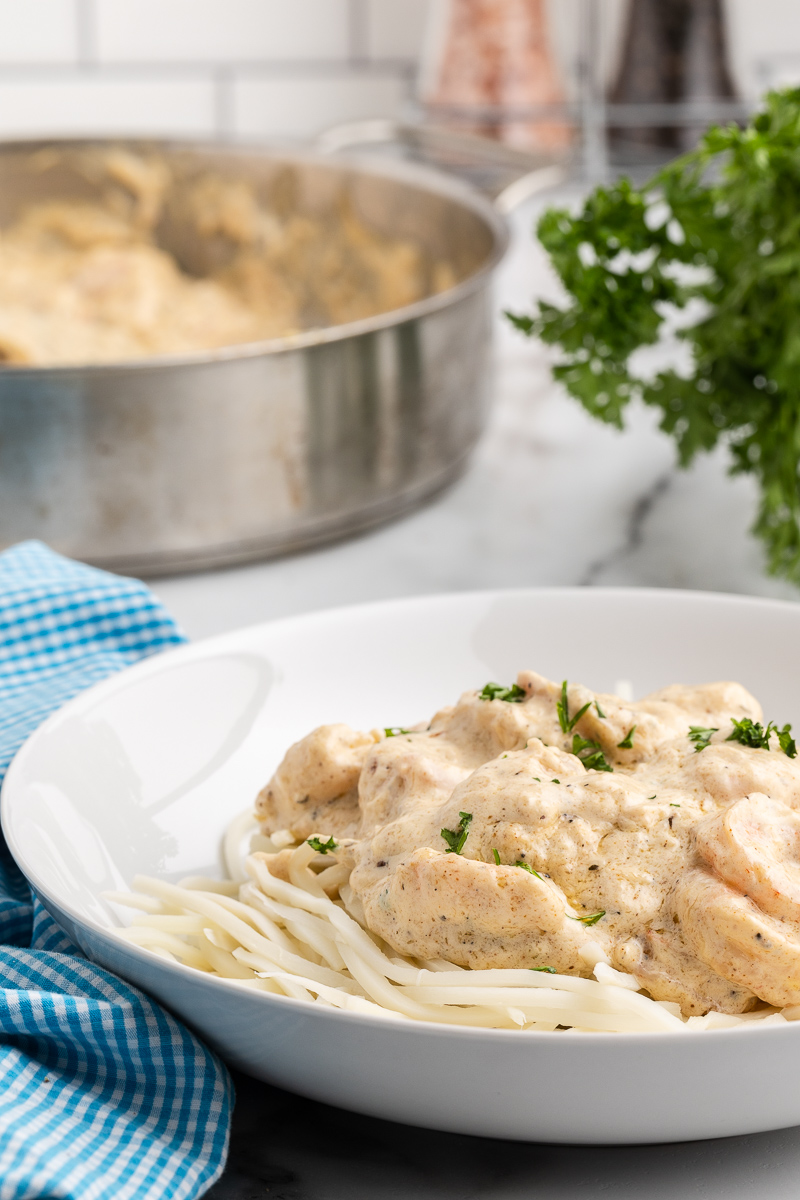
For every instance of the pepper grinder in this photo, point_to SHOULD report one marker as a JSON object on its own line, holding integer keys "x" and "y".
{"x": 674, "y": 51}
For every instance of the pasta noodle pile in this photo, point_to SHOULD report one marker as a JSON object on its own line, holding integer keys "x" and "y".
{"x": 303, "y": 939}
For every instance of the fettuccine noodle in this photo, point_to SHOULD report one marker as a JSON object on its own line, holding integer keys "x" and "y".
{"x": 301, "y": 938}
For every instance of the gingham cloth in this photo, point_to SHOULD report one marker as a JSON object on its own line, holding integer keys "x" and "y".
{"x": 102, "y": 1094}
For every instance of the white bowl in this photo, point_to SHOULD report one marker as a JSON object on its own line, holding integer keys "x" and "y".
{"x": 142, "y": 773}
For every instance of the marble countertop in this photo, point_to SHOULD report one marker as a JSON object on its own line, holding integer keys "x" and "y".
{"x": 551, "y": 497}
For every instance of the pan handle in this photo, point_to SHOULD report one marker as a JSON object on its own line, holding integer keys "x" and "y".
{"x": 507, "y": 175}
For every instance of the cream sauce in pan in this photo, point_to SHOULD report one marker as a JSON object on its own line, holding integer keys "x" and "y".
{"x": 90, "y": 283}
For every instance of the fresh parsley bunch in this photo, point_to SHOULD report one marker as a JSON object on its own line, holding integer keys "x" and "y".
{"x": 720, "y": 225}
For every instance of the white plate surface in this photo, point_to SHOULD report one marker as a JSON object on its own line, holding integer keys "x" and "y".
{"x": 143, "y": 772}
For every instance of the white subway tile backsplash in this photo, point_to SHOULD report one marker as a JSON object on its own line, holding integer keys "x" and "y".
{"x": 221, "y": 30}
{"x": 38, "y": 31}
{"x": 303, "y": 106}
{"x": 279, "y": 68}
{"x": 95, "y": 105}
{"x": 396, "y": 28}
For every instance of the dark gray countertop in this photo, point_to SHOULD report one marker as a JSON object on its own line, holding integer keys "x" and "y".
{"x": 287, "y": 1148}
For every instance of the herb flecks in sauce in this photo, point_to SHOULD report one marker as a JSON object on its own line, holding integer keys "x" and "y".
{"x": 323, "y": 847}
{"x": 700, "y": 736}
{"x": 527, "y": 867}
{"x": 591, "y": 919}
{"x": 495, "y": 691}
{"x": 456, "y": 838}
{"x": 590, "y": 754}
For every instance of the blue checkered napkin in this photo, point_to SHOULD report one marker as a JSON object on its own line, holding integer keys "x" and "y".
{"x": 103, "y": 1095}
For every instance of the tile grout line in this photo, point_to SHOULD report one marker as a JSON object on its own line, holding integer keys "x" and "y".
{"x": 86, "y": 33}
{"x": 399, "y": 68}
{"x": 224, "y": 105}
{"x": 358, "y": 32}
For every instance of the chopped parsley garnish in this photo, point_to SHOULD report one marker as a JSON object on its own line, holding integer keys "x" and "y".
{"x": 549, "y": 970}
{"x": 653, "y": 796}
{"x": 395, "y": 730}
{"x": 323, "y": 847}
{"x": 786, "y": 741}
{"x": 456, "y": 838}
{"x": 567, "y": 722}
{"x": 555, "y": 781}
{"x": 700, "y": 735}
{"x": 496, "y": 854}
{"x": 602, "y": 717}
{"x": 752, "y": 734}
{"x": 674, "y": 805}
{"x": 627, "y": 741}
{"x": 590, "y": 754}
{"x": 496, "y": 691}
{"x": 527, "y": 867}
{"x": 592, "y": 919}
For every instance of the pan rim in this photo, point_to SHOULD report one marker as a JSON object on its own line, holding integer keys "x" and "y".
{"x": 426, "y": 178}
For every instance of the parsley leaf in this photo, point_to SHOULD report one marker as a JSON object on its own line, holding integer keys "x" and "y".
{"x": 592, "y": 919}
{"x": 786, "y": 741}
{"x": 596, "y": 761}
{"x": 456, "y": 838}
{"x": 496, "y": 691}
{"x": 600, "y": 712}
{"x": 549, "y": 970}
{"x": 627, "y": 741}
{"x": 395, "y": 730}
{"x": 496, "y": 854}
{"x": 566, "y": 722}
{"x": 323, "y": 847}
{"x": 590, "y": 754}
{"x": 527, "y": 867}
{"x": 701, "y": 736}
{"x": 734, "y": 202}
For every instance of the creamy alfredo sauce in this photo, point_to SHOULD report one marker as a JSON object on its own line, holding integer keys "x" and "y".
{"x": 543, "y": 826}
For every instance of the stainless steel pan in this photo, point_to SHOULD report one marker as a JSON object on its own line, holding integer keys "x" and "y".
{"x": 175, "y": 464}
